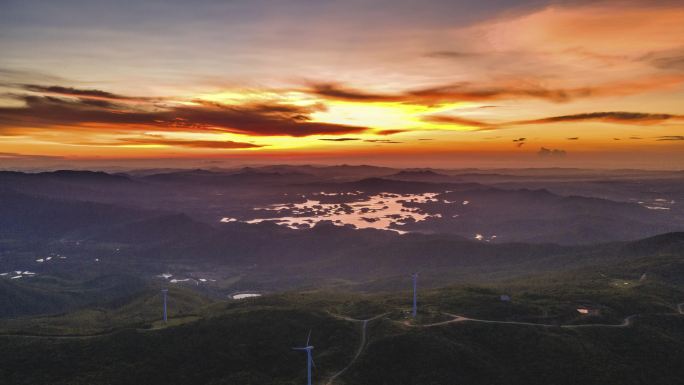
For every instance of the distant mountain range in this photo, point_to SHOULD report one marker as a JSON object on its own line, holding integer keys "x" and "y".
{"x": 465, "y": 209}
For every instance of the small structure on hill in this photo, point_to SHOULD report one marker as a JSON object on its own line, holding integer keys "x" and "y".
{"x": 586, "y": 310}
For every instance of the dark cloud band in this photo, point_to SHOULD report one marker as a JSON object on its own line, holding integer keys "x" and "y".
{"x": 250, "y": 119}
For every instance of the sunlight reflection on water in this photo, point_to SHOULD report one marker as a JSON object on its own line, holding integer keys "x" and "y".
{"x": 383, "y": 211}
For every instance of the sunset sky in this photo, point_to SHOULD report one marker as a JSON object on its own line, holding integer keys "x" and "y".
{"x": 408, "y": 83}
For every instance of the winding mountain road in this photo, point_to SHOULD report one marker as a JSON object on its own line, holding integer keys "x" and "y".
{"x": 160, "y": 326}
{"x": 65, "y": 336}
{"x": 457, "y": 318}
{"x": 75, "y": 336}
{"x": 362, "y": 343}
{"x": 627, "y": 321}
{"x": 89, "y": 336}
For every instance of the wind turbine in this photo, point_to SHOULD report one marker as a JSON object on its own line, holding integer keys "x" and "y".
{"x": 164, "y": 293}
{"x": 309, "y": 359}
{"x": 415, "y": 294}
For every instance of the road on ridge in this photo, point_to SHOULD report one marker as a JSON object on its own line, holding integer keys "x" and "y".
{"x": 362, "y": 343}
{"x": 457, "y": 318}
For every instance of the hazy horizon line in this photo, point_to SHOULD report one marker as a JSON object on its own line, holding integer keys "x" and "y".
{"x": 123, "y": 169}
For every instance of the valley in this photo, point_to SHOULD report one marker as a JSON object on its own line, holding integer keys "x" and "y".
{"x": 247, "y": 278}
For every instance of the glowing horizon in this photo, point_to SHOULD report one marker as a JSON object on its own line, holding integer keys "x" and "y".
{"x": 448, "y": 83}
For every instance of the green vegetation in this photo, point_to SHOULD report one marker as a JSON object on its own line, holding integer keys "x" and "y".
{"x": 210, "y": 341}
{"x": 141, "y": 311}
{"x": 51, "y": 294}
{"x": 490, "y": 312}
{"x": 236, "y": 344}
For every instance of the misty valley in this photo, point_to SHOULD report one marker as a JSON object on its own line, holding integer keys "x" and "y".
{"x": 379, "y": 275}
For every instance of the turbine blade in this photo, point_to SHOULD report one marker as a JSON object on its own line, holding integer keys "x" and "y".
{"x": 308, "y": 338}
{"x": 313, "y": 363}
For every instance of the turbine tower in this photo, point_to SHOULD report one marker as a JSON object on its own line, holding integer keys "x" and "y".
{"x": 164, "y": 292}
{"x": 309, "y": 359}
{"x": 415, "y": 294}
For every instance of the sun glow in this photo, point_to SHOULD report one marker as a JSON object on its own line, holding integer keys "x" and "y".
{"x": 506, "y": 85}
{"x": 385, "y": 115}
{"x": 254, "y": 96}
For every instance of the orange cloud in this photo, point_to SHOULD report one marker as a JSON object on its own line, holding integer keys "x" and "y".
{"x": 249, "y": 118}
{"x": 161, "y": 141}
{"x": 501, "y": 90}
{"x": 70, "y": 91}
{"x": 638, "y": 118}
{"x": 448, "y": 119}
{"x": 605, "y": 27}
{"x": 389, "y": 132}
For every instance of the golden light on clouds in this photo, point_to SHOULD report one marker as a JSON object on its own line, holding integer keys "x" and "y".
{"x": 385, "y": 115}
{"x": 601, "y": 78}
